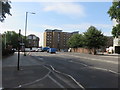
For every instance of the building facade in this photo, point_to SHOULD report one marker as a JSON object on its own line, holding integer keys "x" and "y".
{"x": 109, "y": 42}
{"x": 116, "y": 44}
{"x": 56, "y": 38}
{"x": 33, "y": 41}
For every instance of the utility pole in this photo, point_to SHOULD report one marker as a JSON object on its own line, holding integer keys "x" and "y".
{"x": 18, "y": 66}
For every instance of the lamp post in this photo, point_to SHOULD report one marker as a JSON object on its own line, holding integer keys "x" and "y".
{"x": 26, "y": 29}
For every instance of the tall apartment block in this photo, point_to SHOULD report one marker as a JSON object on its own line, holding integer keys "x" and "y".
{"x": 56, "y": 38}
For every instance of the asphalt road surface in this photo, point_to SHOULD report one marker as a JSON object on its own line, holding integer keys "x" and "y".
{"x": 33, "y": 73}
{"x": 61, "y": 70}
{"x": 90, "y": 71}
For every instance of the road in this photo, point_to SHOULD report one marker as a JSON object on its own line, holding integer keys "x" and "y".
{"x": 63, "y": 70}
{"x": 91, "y": 71}
{"x": 33, "y": 74}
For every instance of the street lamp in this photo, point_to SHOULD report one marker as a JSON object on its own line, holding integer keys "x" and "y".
{"x": 26, "y": 29}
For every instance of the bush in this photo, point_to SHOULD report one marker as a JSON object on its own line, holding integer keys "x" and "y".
{"x": 7, "y": 52}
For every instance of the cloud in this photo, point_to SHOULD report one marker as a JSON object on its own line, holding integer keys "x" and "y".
{"x": 85, "y": 26}
{"x": 69, "y": 9}
{"x": 49, "y": 27}
{"x": 82, "y": 27}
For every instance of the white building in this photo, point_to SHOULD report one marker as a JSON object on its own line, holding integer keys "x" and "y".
{"x": 116, "y": 41}
{"x": 116, "y": 44}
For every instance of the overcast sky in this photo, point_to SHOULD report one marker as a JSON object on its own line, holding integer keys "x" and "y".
{"x": 67, "y": 16}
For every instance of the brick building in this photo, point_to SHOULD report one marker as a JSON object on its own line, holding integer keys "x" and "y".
{"x": 56, "y": 38}
{"x": 33, "y": 41}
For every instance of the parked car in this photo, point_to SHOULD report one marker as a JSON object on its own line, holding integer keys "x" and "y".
{"x": 44, "y": 49}
{"x": 69, "y": 50}
{"x": 52, "y": 50}
{"x": 39, "y": 50}
{"x": 32, "y": 50}
{"x": 14, "y": 49}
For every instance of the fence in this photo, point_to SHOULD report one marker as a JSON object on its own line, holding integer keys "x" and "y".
{"x": 83, "y": 50}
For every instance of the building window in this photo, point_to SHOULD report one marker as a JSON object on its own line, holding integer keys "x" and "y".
{"x": 34, "y": 37}
{"x": 29, "y": 37}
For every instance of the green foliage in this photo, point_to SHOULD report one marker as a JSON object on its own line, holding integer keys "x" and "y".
{"x": 114, "y": 11}
{"x": 75, "y": 41}
{"x": 116, "y": 30}
{"x": 3, "y": 44}
{"x": 93, "y": 38}
{"x": 5, "y": 9}
{"x": 11, "y": 38}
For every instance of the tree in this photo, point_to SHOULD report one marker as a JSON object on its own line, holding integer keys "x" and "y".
{"x": 94, "y": 38}
{"x": 11, "y": 38}
{"x": 116, "y": 30}
{"x": 5, "y": 9}
{"x": 114, "y": 13}
{"x": 75, "y": 41}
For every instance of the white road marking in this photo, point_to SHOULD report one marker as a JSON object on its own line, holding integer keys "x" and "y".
{"x": 94, "y": 67}
{"x": 93, "y": 59}
{"x": 70, "y": 77}
{"x": 40, "y": 59}
{"x": 105, "y": 70}
{"x": 114, "y": 72}
{"x": 64, "y": 80}
{"x": 33, "y": 81}
{"x": 110, "y": 56}
{"x": 85, "y": 65}
{"x": 78, "y": 63}
{"x": 56, "y": 82}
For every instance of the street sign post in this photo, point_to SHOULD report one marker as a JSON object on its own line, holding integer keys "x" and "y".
{"x": 18, "y": 66}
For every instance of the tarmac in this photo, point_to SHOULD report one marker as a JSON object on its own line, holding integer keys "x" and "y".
{"x": 33, "y": 74}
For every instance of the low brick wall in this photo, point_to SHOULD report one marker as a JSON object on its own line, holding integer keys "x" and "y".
{"x": 82, "y": 50}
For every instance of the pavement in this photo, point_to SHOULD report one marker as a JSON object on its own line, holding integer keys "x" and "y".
{"x": 107, "y": 54}
{"x": 33, "y": 73}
